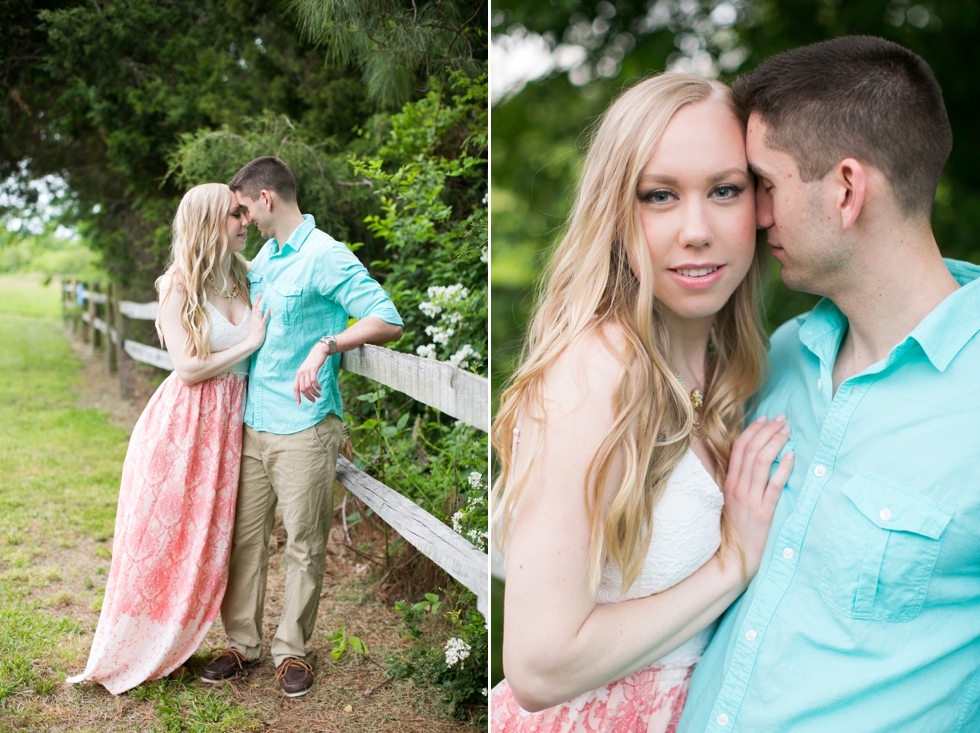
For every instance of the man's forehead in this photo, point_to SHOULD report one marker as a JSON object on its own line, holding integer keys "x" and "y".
{"x": 763, "y": 159}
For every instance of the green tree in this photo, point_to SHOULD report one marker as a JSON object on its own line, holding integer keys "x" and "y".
{"x": 109, "y": 122}
{"x": 399, "y": 46}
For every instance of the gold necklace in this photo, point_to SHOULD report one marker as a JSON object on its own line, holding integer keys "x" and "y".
{"x": 697, "y": 400}
{"x": 221, "y": 292}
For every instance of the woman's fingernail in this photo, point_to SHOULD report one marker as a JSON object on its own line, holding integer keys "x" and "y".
{"x": 761, "y": 418}
{"x": 781, "y": 417}
{"x": 786, "y": 429}
{"x": 790, "y": 455}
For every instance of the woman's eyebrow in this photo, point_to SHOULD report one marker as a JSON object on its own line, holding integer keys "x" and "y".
{"x": 673, "y": 181}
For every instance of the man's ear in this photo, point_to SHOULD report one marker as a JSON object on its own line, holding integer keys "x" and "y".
{"x": 852, "y": 181}
{"x": 267, "y": 198}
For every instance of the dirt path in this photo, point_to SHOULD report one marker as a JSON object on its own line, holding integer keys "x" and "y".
{"x": 352, "y": 694}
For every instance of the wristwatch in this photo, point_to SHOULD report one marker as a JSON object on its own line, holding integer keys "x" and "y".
{"x": 331, "y": 343}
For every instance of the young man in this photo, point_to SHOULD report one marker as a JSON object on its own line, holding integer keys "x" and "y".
{"x": 293, "y": 418}
{"x": 865, "y": 613}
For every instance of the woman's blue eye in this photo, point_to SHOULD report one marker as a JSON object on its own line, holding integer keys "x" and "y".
{"x": 727, "y": 192}
{"x": 658, "y": 197}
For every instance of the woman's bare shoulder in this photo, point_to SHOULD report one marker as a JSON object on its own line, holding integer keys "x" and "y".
{"x": 169, "y": 285}
{"x": 587, "y": 371}
{"x": 599, "y": 350}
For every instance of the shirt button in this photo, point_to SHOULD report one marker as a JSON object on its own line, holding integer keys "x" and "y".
{"x": 750, "y": 634}
{"x": 820, "y": 471}
{"x": 885, "y": 514}
{"x": 722, "y": 719}
{"x": 788, "y": 553}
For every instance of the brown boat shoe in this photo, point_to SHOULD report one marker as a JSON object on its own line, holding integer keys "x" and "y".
{"x": 226, "y": 665}
{"x": 295, "y": 676}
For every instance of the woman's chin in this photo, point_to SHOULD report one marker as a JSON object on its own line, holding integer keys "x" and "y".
{"x": 696, "y": 308}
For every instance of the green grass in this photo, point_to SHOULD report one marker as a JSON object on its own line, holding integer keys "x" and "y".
{"x": 59, "y": 474}
{"x": 25, "y": 295}
{"x": 59, "y": 479}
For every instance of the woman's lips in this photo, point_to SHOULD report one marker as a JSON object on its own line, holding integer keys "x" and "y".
{"x": 697, "y": 277}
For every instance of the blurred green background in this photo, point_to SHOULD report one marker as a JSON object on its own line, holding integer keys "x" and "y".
{"x": 556, "y": 64}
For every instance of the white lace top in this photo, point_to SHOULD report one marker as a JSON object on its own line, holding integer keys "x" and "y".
{"x": 686, "y": 533}
{"x": 224, "y": 335}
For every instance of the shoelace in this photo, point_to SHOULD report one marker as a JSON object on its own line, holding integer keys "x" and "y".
{"x": 240, "y": 658}
{"x": 289, "y": 664}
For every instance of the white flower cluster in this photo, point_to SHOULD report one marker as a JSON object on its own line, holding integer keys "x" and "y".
{"x": 456, "y": 651}
{"x": 475, "y": 479}
{"x": 477, "y": 536}
{"x": 443, "y": 303}
{"x": 442, "y": 297}
{"x": 439, "y": 334}
{"x": 461, "y": 358}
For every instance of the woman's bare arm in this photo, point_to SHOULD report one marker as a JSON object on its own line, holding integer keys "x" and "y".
{"x": 558, "y": 642}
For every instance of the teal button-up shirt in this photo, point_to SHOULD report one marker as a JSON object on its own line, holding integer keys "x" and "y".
{"x": 865, "y": 614}
{"x": 313, "y": 284}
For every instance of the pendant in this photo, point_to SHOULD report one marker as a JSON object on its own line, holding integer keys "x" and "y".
{"x": 697, "y": 400}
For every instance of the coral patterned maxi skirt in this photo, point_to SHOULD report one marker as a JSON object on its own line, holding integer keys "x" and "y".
{"x": 648, "y": 701}
{"x": 173, "y": 532}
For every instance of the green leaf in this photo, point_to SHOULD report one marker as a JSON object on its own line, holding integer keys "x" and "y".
{"x": 357, "y": 645}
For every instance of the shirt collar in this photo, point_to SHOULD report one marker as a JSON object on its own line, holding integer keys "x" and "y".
{"x": 822, "y": 329}
{"x": 299, "y": 235}
{"x": 952, "y": 323}
{"x": 941, "y": 334}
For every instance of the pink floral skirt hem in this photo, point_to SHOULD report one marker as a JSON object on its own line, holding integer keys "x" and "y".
{"x": 648, "y": 701}
{"x": 173, "y": 532}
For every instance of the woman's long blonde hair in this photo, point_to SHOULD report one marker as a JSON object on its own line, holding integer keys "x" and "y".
{"x": 600, "y": 274}
{"x": 199, "y": 241}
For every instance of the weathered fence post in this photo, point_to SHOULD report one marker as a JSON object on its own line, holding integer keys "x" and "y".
{"x": 124, "y": 364}
{"x": 93, "y": 315}
{"x": 111, "y": 332}
{"x": 86, "y": 325}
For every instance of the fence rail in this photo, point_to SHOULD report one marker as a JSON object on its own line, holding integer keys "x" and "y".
{"x": 455, "y": 392}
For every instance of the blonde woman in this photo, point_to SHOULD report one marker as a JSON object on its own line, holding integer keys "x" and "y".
{"x": 180, "y": 478}
{"x": 621, "y": 437}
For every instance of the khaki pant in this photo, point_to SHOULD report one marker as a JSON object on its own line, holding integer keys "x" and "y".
{"x": 297, "y": 473}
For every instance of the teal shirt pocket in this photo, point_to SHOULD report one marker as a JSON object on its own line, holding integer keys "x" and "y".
{"x": 256, "y": 286}
{"x": 881, "y": 550}
{"x": 290, "y": 303}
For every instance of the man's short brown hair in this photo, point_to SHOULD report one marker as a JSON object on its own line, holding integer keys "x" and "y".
{"x": 266, "y": 173}
{"x": 855, "y": 97}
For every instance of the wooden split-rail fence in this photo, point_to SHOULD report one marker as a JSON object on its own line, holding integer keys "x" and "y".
{"x": 104, "y": 320}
